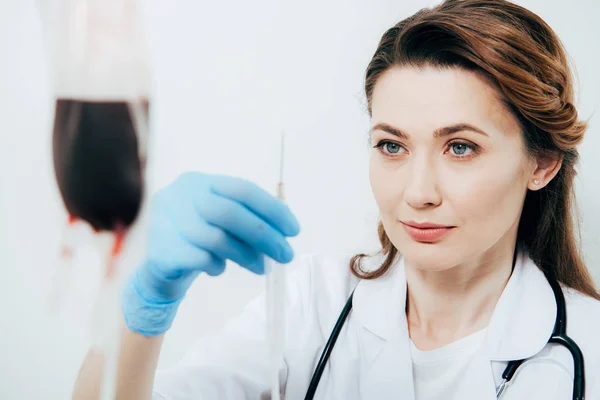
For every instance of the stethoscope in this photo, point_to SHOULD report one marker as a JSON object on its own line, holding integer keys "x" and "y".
{"x": 559, "y": 336}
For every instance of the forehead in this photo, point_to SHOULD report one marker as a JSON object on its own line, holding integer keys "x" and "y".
{"x": 427, "y": 98}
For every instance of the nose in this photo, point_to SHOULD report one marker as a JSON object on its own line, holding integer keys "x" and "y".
{"x": 421, "y": 190}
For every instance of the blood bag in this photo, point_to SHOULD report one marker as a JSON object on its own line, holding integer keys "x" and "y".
{"x": 100, "y": 84}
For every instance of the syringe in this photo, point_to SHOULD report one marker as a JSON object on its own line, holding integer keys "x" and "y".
{"x": 275, "y": 273}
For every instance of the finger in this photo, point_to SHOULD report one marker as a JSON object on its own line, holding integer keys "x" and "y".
{"x": 174, "y": 256}
{"x": 171, "y": 254}
{"x": 246, "y": 226}
{"x": 220, "y": 243}
{"x": 159, "y": 269}
{"x": 185, "y": 223}
{"x": 263, "y": 204}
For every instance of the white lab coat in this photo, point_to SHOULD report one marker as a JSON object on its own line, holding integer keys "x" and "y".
{"x": 371, "y": 359}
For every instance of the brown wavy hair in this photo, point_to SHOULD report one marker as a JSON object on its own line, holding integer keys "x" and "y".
{"x": 524, "y": 57}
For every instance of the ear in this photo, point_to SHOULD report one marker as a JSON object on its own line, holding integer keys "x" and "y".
{"x": 547, "y": 167}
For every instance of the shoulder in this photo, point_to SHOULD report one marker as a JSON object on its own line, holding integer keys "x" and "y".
{"x": 331, "y": 272}
{"x": 324, "y": 282}
{"x": 322, "y": 274}
{"x": 583, "y": 314}
{"x": 583, "y": 325}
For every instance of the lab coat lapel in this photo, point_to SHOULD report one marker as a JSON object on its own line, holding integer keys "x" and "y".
{"x": 520, "y": 327}
{"x": 389, "y": 375}
{"x": 524, "y": 317}
{"x": 379, "y": 307}
{"x": 478, "y": 380}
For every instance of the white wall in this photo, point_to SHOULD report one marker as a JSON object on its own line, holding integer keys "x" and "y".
{"x": 228, "y": 76}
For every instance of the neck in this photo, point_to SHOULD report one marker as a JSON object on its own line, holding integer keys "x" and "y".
{"x": 444, "y": 306}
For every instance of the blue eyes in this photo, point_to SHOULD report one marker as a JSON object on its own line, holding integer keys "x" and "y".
{"x": 391, "y": 147}
{"x": 460, "y": 148}
{"x": 457, "y": 148}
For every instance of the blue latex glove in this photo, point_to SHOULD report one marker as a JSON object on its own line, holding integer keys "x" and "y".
{"x": 196, "y": 224}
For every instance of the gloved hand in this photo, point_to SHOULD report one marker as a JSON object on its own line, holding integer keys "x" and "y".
{"x": 197, "y": 223}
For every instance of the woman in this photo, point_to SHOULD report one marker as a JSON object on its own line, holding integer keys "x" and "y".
{"x": 474, "y": 138}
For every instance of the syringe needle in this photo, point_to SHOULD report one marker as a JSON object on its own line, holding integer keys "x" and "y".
{"x": 280, "y": 193}
{"x": 275, "y": 301}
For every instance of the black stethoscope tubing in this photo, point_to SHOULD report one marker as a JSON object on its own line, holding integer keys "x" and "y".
{"x": 559, "y": 336}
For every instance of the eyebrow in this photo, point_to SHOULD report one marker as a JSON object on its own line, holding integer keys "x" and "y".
{"x": 440, "y": 132}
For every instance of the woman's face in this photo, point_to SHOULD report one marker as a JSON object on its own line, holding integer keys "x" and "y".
{"x": 446, "y": 152}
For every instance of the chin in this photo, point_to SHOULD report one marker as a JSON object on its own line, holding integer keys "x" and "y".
{"x": 425, "y": 263}
{"x": 438, "y": 256}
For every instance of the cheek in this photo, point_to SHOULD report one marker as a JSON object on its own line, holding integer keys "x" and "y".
{"x": 383, "y": 185}
{"x": 488, "y": 196}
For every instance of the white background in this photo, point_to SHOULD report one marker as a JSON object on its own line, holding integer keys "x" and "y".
{"x": 228, "y": 76}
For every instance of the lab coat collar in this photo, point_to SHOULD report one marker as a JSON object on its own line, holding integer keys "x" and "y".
{"x": 520, "y": 326}
{"x": 379, "y": 305}
{"x": 524, "y": 317}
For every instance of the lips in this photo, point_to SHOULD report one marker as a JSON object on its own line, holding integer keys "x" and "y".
{"x": 425, "y": 231}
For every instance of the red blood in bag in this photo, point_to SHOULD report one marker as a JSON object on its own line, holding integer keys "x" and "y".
{"x": 96, "y": 162}
{"x": 120, "y": 233}
{"x": 66, "y": 251}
